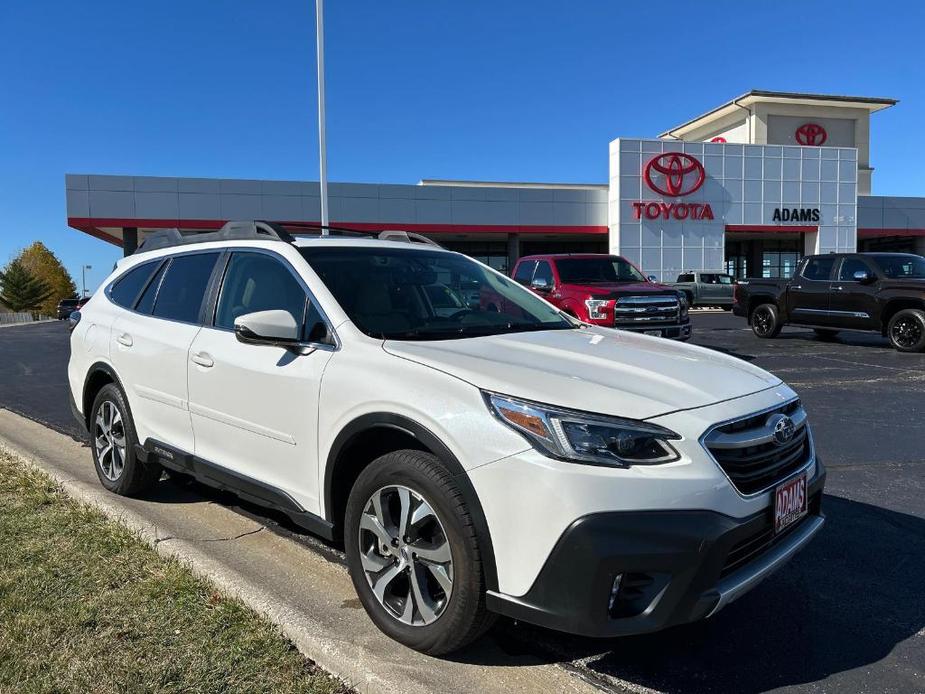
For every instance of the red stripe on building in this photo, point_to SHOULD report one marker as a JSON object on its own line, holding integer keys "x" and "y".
{"x": 873, "y": 233}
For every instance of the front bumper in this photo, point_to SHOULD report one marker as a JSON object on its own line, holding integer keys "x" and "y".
{"x": 676, "y": 567}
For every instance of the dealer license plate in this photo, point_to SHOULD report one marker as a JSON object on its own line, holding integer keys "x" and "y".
{"x": 655, "y": 333}
{"x": 789, "y": 502}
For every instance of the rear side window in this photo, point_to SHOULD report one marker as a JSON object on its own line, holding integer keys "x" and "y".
{"x": 258, "y": 282}
{"x": 127, "y": 288}
{"x": 685, "y": 278}
{"x": 184, "y": 286}
{"x": 818, "y": 268}
{"x": 524, "y": 272}
{"x": 146, "y": 302}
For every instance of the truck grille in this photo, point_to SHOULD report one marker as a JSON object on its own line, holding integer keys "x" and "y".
{"x": 644, "y": 310}
{"x": 750, "y": 456}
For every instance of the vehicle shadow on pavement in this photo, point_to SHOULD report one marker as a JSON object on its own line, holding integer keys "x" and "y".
{"x": 844, "y": 603}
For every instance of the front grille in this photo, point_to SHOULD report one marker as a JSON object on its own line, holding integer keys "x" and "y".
{"x": 763, "y": 538}
{"x": 646, "y": 310}
{"x": 749, "y": 455}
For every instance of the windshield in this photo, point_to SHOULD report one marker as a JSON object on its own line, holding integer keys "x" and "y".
{"x": 901, "y": 266}
{"x": 415, "y": 294}
{"x": 603, "y": 270}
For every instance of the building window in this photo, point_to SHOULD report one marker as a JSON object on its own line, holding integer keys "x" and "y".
{"x": 491, "y": 253}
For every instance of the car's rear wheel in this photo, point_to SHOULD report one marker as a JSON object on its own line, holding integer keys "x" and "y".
{"x": 112, "y": 440}
{"x": 413, "y": 553}
{"x": 907, "y": 330}
{"x": 765, "y": 321}
{"x": 825, "y": 334}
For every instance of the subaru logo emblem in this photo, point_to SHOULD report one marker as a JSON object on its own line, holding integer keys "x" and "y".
{"x": 782, "y": 428}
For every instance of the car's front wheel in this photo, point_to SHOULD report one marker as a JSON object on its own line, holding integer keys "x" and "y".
{"x": 112, "y": 440}
{"x": 907, "y": 330}
{"x": 413, "y": 553}
{"x": 765, "y": 321}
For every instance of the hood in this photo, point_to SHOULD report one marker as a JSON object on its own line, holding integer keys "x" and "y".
{"x": 592, "y": 369}
{"x": 618, "y": 289}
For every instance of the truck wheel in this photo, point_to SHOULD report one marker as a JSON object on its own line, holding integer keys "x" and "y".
{"x": 112, "y": 440}
{"x": 413, "y": 554}
{"x": 765, "y": 321}
{"x": 824, "y": 334}
{"x": 907, "y": 330}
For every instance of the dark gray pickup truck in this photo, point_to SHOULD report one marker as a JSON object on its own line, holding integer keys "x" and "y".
{"x": 706, "y": 288}
{"x": 882, "y": 292}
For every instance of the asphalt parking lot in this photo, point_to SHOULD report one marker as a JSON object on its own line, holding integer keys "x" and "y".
{"x": 848, "y": 614}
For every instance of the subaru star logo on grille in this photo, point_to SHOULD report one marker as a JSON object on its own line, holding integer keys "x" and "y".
{"x": 782, "y": 427}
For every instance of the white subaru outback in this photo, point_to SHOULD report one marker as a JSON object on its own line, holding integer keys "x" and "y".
{"x": 477, "y": 451}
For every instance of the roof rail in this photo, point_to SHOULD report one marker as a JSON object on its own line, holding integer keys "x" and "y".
{"x": 406, "y": 237}
{"x": 269, "y": 231}
{"x": 231, "y": 231}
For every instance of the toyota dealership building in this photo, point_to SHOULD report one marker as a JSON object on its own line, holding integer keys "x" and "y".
{"x": 748, "y": 187}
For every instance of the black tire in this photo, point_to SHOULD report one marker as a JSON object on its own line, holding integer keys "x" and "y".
{"x": 906, "y": 330}
{"x": 765, "y": 321}
{"x": 133, "y": 477}
{"x": 463, "y": 617}
{"x": 825, "y": 334}
{"x": 690, "y": 299}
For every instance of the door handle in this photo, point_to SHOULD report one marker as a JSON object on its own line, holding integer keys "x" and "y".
{"x": 125, "y": 339}
{"x": 203, "y": 359}
{"x": 839, "y": 288}
{"x": 799, "y": 286}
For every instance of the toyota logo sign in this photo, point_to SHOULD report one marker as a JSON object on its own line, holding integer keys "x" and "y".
{"x": 811, "y": 135}
{"x": 674, "y": 174}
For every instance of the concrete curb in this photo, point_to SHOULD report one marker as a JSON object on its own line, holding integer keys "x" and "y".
{"x": 34, "y": 322}
{"x": 301, "y": 591}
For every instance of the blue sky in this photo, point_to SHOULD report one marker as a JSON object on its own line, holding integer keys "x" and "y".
{"x": 514, "y": 90}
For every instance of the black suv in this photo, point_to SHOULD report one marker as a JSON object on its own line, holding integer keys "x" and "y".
{"x": 882, "y": 292}
{"x": 66, "y": 307}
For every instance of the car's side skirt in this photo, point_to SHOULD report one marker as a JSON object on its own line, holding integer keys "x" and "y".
{"x": 214, "y": 475}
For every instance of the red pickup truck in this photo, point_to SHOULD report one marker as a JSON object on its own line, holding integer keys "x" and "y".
{"x": 606, "y": 290}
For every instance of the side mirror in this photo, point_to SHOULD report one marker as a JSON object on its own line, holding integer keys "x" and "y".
{"x": 652, "y": 278}
{"x": 320, "y": 334}
{"x": 540, "y": 284}
{"x": 277, "y": 328}
{"x": 73, "y": 320}
{"x": 863, "y": 276}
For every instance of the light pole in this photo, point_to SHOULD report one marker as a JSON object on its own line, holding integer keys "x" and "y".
{"x": 322, "y": 149}
{"x": 83, "y": 278}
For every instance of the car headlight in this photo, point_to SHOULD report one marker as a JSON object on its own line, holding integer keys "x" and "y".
{"x": 684, "y": 306}
{"x": 597, "y": 308}
{"x": 585, "y": 438}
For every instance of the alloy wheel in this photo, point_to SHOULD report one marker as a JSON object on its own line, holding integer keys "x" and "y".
{"x": 763, "y": 321}
{"x": 906, "y": 332}
{"x": 109, "y": 440}
{"x": 406, "y": 556}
